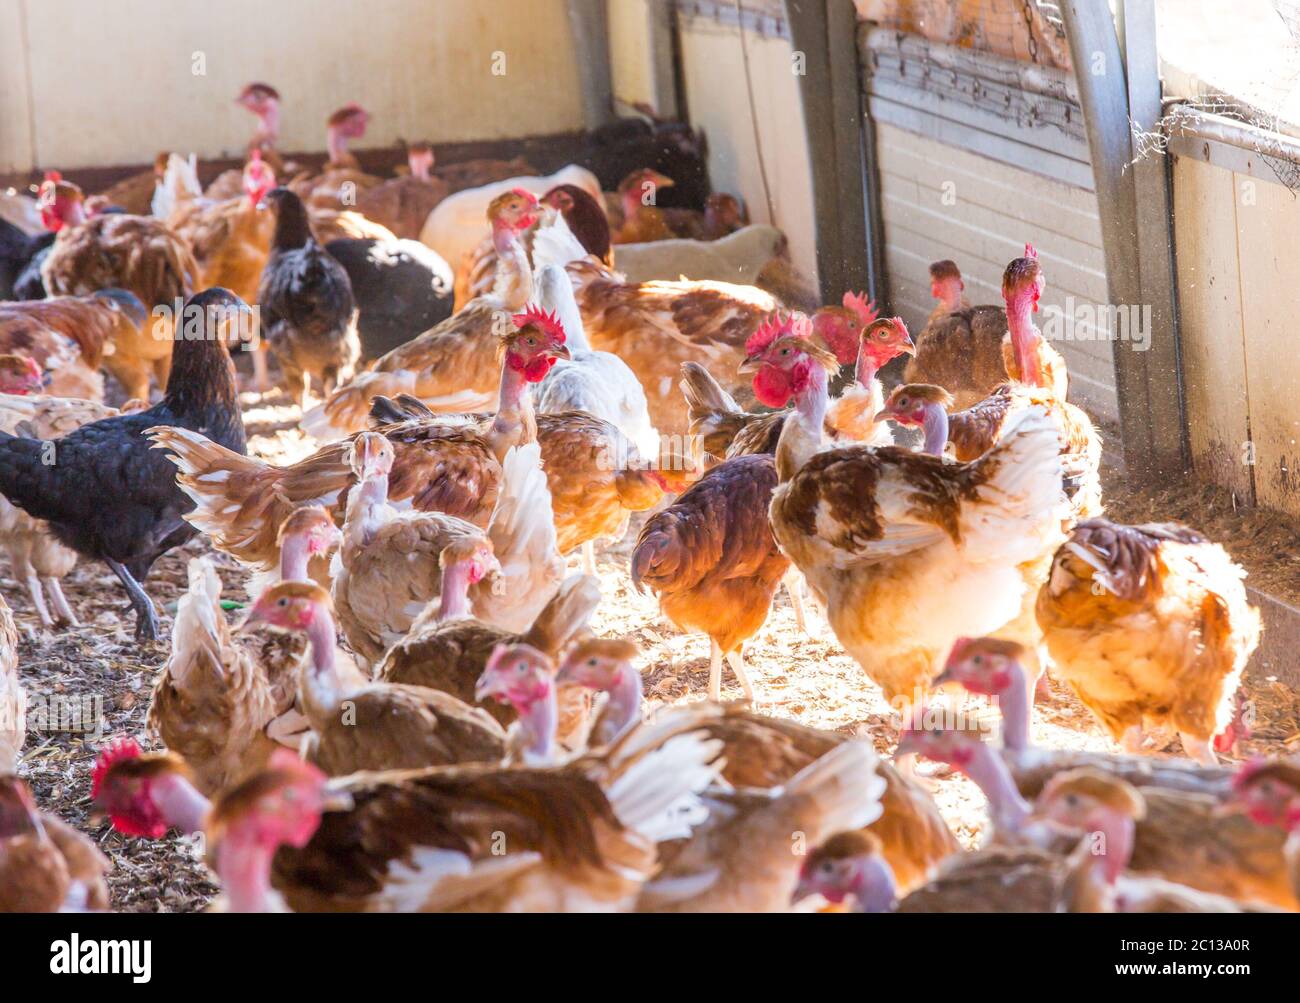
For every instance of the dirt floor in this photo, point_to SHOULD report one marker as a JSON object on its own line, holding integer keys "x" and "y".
{"x": 99, "y": 668}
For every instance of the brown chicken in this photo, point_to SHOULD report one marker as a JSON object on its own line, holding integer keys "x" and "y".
{"x": 455, "y": 366}
{"x": 45, "y": 864}
{"x": 711, "y": 558}
{"x": 643, "y": 220}
{"x": 36, "y": 557}
{"x": 656, "y": 326}
{"x": 134, "y": 193}
{"x": 1149, "y": 625}
{"x": 970, "y": 351}
{"x": 723, "y": 214}
{"x": 341, "y": 181}
{"x": 372, "y": 725}
{"x": 480, "y": 171}
{"x": 137, "y": 253}
{"x": 476, "y": 272}
{"x": 402, "y": 204}
{"x": 70, "y": 337}
{"x": 447, "y": 648}
{"x": 224, "y": 700}
{"x": 263, "y": 101}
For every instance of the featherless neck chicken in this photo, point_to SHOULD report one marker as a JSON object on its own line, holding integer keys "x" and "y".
{"x": 225, "y": 700}
{"x": 115, "y": 250}
{"x": 605, "y": 666}
{"x": 447, "y": 648}
{"x": 725, "y": 430}
{"x": 452, "y": 367}
{"x": 45, "y": 864}
{"x": 361, "y": 725}
{"x": 403, "y": 204}
{"x": 1268, "y": 793}
{"x": 112, "y": 497}
{"x": 579, "y": 837}
{"x": 1181, "y": 836}
{"x": 905, "y": 549}
{"x": 448, "y": 464}
{"x": 262, "y": 101}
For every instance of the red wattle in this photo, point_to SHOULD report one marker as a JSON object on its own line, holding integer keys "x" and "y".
{"x": 772, "y": 387}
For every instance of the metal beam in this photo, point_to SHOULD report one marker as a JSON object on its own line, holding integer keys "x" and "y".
{"x": 589, "y": 23}
{"x": 824, "y": 33}
{"x": 1137, "y": 246}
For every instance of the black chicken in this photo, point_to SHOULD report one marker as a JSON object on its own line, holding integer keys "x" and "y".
{"x": 309, "y": 316}
{"x": 21, "y": 255}
{"x": 402, "y": 289}
{"x": 104, "y": 489}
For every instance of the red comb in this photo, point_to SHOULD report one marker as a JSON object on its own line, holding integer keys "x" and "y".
{"x": 114, "y": 753}
{"x": 53, "y": 175}
{"x": 548, "y": 322}
{"x": 776, "y": 326}
{"x": 524, "y": 193}
{"x": 1031, "y": 252}
{"x": 860, "y": 305}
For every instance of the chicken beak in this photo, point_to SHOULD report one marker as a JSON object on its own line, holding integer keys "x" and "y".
{"x": 884, "y": 414}
{"x": 561, "y": 352}
{"x": 750, "y": 365}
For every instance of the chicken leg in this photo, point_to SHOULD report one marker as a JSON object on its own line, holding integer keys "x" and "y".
{"x": 61, "y": 607}
{"x": 737, "y": 664}
{"x": 33, "y": 584}
{"x": 589, "y": 557}
{"x": 1199, "y": 750}
{"x": 794, "y": 587}
{"x": 146, "y": 618}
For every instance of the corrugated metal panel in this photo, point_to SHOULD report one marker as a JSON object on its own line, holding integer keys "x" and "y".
{"x": 941, "y": 202}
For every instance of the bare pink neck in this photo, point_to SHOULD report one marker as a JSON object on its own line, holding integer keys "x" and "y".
{"x": 455, "y": 591}
{"x": 540, "y": 721}
{"x": 268, "y": 127}
{"x": 950, "y": 296}
{"x": 1025, "y": 339}
{"x": 337, "y": 144}
{"x": 632, "y": 203}
{"x": 320, "y": 635}
{"x": 625, "y": 696}
{"x": 244, "y": 866}
{"x": 367, "y": 510}
{"x": 510, "y": 402}
{"x": 294, "y": 557}
{"x": 419, "y": 165}
{"x": 180, "y": 803}
{"x": 936, "y": 429}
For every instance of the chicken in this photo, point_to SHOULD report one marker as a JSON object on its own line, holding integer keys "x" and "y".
{"x": 403, "y": 203}
{"x": 137, "y": 253}
{"x": 722, "y": 429}
{"x": 371, "y": 725}
{"x": 476, "y": 272}
{"x": 455, "y": 227}
{"x": 656, "y": 326}
{"x": 740, "y": 859}
{"x": 45, "y": 864}
{"x": 723, "y": 214}
{"x": 454, "y": 366}
{"x": 263, "y": 101}
{"x": 214, "y": 699}
{"x": 1149, "y": 625}
{"x": 712, "y": 560}
{"x": 231, "y": 239}
{"x": 447, "y": 648}
{"x": 109, "y": 496}
{"x": 604, "y": 665}
{"x": 13, "y": 698}
{"x": 401, "y": 288}
{"x": 970, "y": 351}
{"x": 70, "y": 337}
{"x": 907, "y": 551}
{"x": 134, "y": 193}
{"x": 21, "y": 254}
{"x": 599, "y": 383}
{"x": 1269, "y": 794}
{"x": 739, "y": 257}
{"x": 341, "y": 180}
{"x": 308, "y": 315}
{"x": 643, "y": 221}
{"x": 1111, "y": 811}
{"x": 389, "y": 567}
{"x": 36, "y": 557}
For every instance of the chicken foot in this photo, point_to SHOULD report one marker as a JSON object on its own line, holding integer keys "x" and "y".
{"x": 794, "y": 588}
{"x": 589, "y": 557}
{"x": 1199, "y": 750}
{"x": 33, "y": 584}
{"x": 146, "y": 618}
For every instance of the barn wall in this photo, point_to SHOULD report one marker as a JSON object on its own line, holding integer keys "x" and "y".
{"x": 113, "y": 83}
{"x": 717, "y": 100}
{"x": 1238, "y": 278}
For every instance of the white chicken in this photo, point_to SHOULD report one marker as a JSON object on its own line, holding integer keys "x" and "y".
{"x": 599, "y": 383}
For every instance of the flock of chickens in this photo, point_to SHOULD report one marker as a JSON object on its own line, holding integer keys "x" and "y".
{"x": 414, "y": 714}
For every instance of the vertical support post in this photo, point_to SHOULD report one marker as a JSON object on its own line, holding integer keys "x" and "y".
{"x": 1148, "y": 383}
{"x": 589, "y": 23}
{"x": 825, "y": 32}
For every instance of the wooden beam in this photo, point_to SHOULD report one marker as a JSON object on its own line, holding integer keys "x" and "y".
{"x": 589, "y": 23}
{"x": 1148, "y": 383}
{"x": 823, "y": 34}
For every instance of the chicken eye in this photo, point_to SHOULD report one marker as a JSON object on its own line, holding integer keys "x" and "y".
{"x": 828, "y": 867}
{"x": 530, "y": 340}
{"x": 591, "y": 662}
{"x": 1072, "y": 800}
{"x": 519, "y": 667}
{"x": 977, "y": 660}
{"x": 282, "y": 602}
{"x": 904, "y": 402}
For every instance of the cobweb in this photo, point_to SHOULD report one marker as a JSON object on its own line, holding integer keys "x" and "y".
{"x": 1263, "y": 99}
